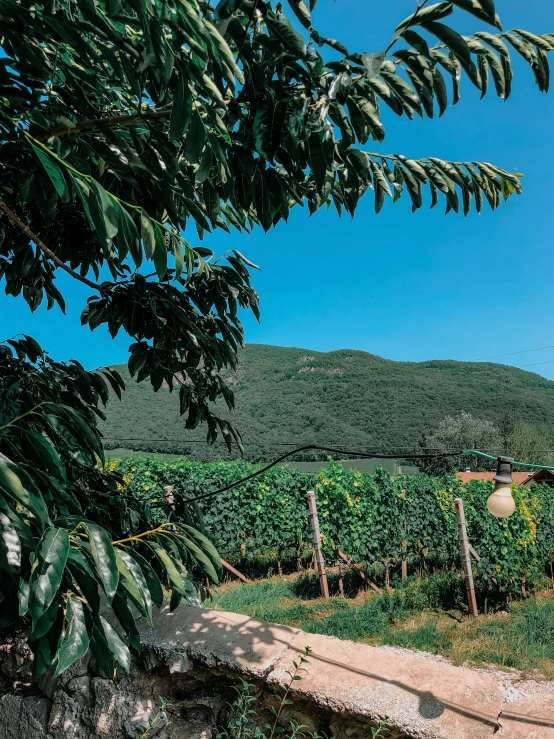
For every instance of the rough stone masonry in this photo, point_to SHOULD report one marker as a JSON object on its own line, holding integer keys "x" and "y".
{"x": 194, "y": 657}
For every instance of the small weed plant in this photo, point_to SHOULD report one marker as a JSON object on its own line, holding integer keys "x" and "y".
{"x": 243, "y": 723}
{"x": 158, "y": 719}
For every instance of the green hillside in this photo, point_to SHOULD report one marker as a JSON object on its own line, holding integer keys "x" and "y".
{"x": 345, "y": 398}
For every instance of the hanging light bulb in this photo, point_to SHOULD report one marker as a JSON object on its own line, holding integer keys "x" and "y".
{"x": 501, "y": 503}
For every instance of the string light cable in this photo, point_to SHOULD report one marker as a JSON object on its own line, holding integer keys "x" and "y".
{"x": 361, "y": 455}
{"x": 329, "y": 450}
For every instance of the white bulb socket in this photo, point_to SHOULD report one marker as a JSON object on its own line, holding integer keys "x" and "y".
{"x": 501, "y": 503}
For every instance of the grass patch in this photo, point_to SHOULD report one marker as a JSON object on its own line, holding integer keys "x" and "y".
{"x": 420, "y": 614}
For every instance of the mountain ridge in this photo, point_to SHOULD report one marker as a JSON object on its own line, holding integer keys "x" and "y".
{"x": 346, "y": 397}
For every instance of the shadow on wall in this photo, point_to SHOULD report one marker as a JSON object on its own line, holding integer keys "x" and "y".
{"x": 423, "y": 695}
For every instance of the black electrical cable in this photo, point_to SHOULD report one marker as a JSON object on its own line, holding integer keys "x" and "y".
{"x": 267, "y": 442}
{"x": 304, "y": 449}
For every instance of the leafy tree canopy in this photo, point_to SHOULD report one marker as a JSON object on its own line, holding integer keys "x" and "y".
{"x": 526, "y": 442}
{"x": 460, "y": 432}
{"x": 124, "y": 125}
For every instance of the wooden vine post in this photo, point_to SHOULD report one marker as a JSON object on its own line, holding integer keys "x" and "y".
{"x": 169, "y": 497}
{"x": 404, "y": 546}
{"x": 466, "y": 557}
{"x": 319, "y": 561}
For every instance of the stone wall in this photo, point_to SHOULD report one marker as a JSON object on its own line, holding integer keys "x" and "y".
{"x": 195, "y": 656}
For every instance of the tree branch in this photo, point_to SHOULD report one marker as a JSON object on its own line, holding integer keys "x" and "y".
{"x": 112, "y": 122}
{"x": 118, "y": 120}
{"x": 50, "y": 254}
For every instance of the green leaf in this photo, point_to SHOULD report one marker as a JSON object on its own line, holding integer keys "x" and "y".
{"x": 53, "y": 171}
{"x": 291, "y": 39}
{"x": 171, "y": 570}
{"x": 48, "y": 571}
{"x": 10, "y": 546}
{"x": 133, "y": 580}
{"x": 229, "y": 66}
{"x": 46, "y": 453}
{"x": 198, "y": 556}
{"x": 178, "y": 254}
{"x": 107, "y": 208}
{"x": 151, "y": 578}
{"x": 373, "y": 63}
{"x": 340, "y": 87}
{"x": 93, "y": 210}
{"x": 160, "y": 252}
{"x": 127, "y": 620}
{"x": 418, "y": 42}
{"x": 316, "y": 159}
{"x": 429, "y": 13}
{"x": 76, "y": 638}
{"x": 263, "y": 130}
{"x": 77, "y": 425}
{"x": 180, "y": 110}
{"x": 147, "y": 234}
{"x": 45, "y": 649}
{"x": 204, "y": 543}
{"x": 482, "y": 9}
{"x": 127, "y": 237}
{"x": 84, "y": 577}
{"x": 116, "y": 646}
{"x": 225, "y": 8}
{"x": 451, "y": 39}
{"x": 15, "y": 483}
{"x": 104, "y": 558}
{"x": 300, "y": 10}
{"x": 380, "y": 185}
{"x": 203, "y": 171}
{"x": 441, "y": 93}
{"x": 195, "y": 138}
{"x": 100, "y": 649}
{"x": 23, "y": 598}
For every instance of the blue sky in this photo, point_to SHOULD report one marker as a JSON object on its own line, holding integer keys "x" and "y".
{"x": 406, "y": 287}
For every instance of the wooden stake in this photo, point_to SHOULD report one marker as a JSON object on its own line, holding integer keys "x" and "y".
{"x": 233, "y": 571}
{"x": 318, "y": 554}
{"x": 348, "y": 562}
{"x": 466, "y": 557}
{"x": 169, "y": 497}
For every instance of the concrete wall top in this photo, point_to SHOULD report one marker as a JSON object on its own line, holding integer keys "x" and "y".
{"x": 424, "y": 696}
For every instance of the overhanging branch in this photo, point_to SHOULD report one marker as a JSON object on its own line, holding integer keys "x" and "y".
{"x": 112, "y": 122}
{"x": 42, "y": 246}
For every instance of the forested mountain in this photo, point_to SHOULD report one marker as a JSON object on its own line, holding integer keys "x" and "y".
{"x": 344, "y": 398}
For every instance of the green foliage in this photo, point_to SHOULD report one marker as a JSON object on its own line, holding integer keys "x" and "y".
{"x": 347, "y": 399}
{"x": 525, "y": 441}
{"x": 375, "y": 519}
{"x": 157, "y": 720}
{"x": 459, "y": 432}
{"x": 66, "y": 530}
